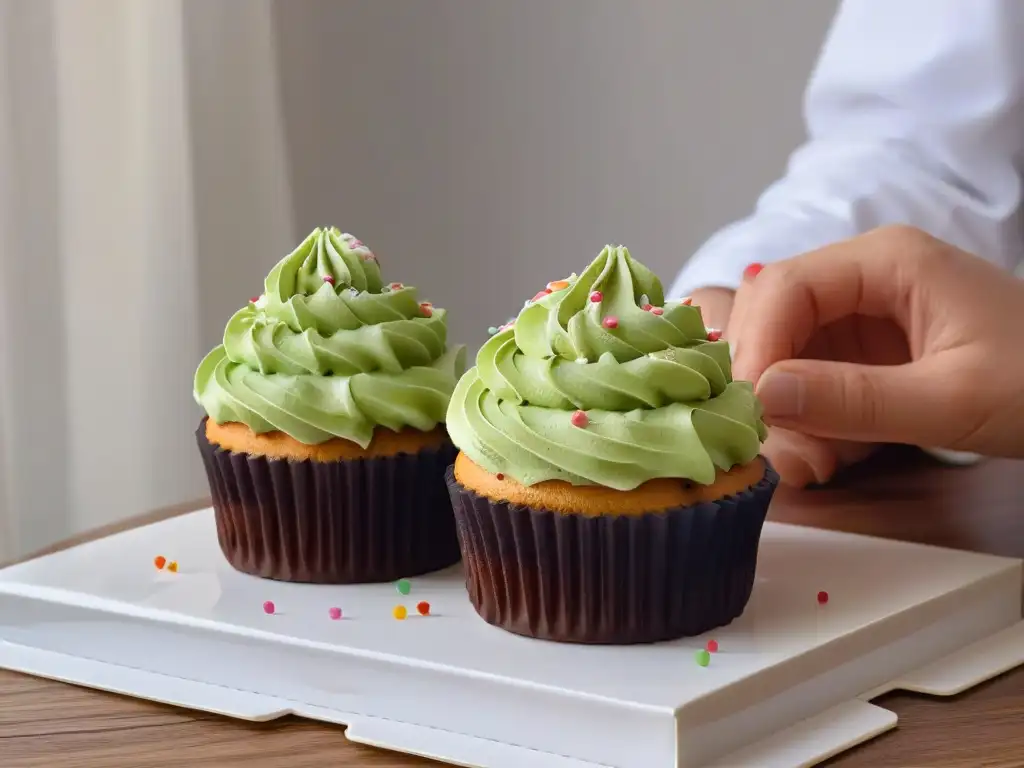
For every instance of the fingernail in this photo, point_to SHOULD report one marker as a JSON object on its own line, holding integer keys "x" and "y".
{"x": 752, "y": 270}
{"x": 781, "y": 394}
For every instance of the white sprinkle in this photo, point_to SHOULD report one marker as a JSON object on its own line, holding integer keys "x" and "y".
{"x": 644, "y": 300}
{"x": 261, "y": 302}
{"x": 582, "y": 360}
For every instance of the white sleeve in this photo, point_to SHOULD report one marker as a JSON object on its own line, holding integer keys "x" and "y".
{"x": 914, "y": 115}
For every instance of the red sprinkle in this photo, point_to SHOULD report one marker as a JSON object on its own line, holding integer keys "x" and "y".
{"x": 427, "y": 309}
{"x": 753, "y": 270}
{"x": 714, "y": 335}
{"x": 396, "y": 286}
{"x": 500, "y": 476}
{"x": 646, "y": 307}
{"x": 822, "y": 597}
{"x": 334, "y": 613}
{"x": 540, "y": 295}
{"x": 328, "y": 279}
{"x": 712, "y": 646}
{"x": 687, "y": 301}
{"x": 160, "y": 561}
{"x": 597, "y": 297}
{"x": 268, "y": 607}
{"x": 580, "y": 419}
{"x": 610, "y": 322}
{"x": 423, "y": 608}
{"x": 657, "y": 311}
{"x": 254, "y": 299}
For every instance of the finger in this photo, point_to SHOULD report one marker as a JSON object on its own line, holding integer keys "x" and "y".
{"x": 803, "y": 460}
{"x": 737, "y": 319}
{"x": 792, "y": 299}
{"x": 715, "y": 306}
{"x": 885, "y": 404}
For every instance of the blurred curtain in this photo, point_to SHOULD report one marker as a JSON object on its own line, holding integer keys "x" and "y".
{"x": 141, "y": 158}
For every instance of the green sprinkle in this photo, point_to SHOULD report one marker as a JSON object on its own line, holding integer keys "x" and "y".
{"x": 703, "y": 657}
{"x": 403, "y": 586}
{"x": 492, "y": 330}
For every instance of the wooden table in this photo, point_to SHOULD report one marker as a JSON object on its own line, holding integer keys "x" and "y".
{"x": 898, "y": 495}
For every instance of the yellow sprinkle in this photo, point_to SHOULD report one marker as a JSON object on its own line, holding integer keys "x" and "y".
{"x": 173, "y": 566}
{"x": 399, "y": 612}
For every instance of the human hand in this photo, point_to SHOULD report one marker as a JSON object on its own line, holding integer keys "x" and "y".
{"x": 799, "y": 459}
{"x": 954, "y": 380}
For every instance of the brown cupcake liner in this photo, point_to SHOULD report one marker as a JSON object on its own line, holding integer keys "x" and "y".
{"x": 621, "y": 579}
{"x": 343, "y": 522}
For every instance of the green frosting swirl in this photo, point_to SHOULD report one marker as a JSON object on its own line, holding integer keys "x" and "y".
{"x": 658, "y": 395}
{"x": 330, "y": 351}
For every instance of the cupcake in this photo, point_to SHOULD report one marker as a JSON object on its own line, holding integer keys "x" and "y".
{"x": 609, "y": 486}
{"x": 324, "y": 440}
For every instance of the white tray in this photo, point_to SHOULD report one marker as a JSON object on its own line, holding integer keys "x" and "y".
{"x": 788, "y": 687}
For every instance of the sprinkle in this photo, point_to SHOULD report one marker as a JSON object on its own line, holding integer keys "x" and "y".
{"x": 712, "y": 646}
{"x": 492, "y": 330}
{"x": 822, "y": 597}
{"x": 500, "y": 476}
{"x": 399, "y": 612}
{"x": 396, "y": 286}
{"x": 159, "y": 561}
{"x": 173, "y": 566}
{"x": 368, "y": 256}
{"x": 645, "y": 302}
{"x": 355, "y": 242}
{"x": 580, "y": 419}
{"x": 558, "y": 285}
{"x": 597, "y": 297}
{"x": 538, "y": 297}
{"x": 403, "y": 586}
{"x": 254, "y": 299}
{"x": 703, "y": 657}
{"x": 423, "y": 608}
{"x": 610, "y": 322}
{"x": 582, "y": 360}
{"x": 753, "y": 270}
{"x": 714, "y": 334}
{"x": 687, "y": 301}
{"x": 328, "y": 279}
{"x": 646, "y": 307}
{"x": 657, "y": 311}
{"x": 268, "y": 607}
{"x": 334, "y": 613}
{"x": 427, "y": 309}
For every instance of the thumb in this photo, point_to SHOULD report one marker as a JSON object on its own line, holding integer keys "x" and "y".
{"x": 865, "y": 403}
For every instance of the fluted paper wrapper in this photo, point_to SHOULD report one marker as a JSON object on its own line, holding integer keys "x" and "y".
{"x": 342, "y": 522}
{"x": 621, "y": 579}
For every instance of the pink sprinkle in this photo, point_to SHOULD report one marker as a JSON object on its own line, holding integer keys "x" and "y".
{"x": 396, "y": 286}
{"x": 714, "y": 335}
{"x": 334, "y": 613}
{"x": 610, "y": 322}
{"x": 597, "y": 297}
{"x": 427, "y": 309}
{"x": 646, "y": 307}
{"x": 356, "y": 243}
{"x": 268, "y": 607}
{"x": 254, "y": 299}
{"x": 712, "y": 646}
{"x": 580, "y": 419}
{"x": 328, "y": 279}
{"x": 657, "y": 311}
{"x": 540, "y": 295}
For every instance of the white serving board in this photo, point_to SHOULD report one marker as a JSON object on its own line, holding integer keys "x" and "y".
{"x": 788, "y": 687}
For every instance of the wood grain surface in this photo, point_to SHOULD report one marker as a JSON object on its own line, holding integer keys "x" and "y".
{"x": 900, "y": 495}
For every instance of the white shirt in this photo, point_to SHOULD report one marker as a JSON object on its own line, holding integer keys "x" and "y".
{"x": 915, "y": 115}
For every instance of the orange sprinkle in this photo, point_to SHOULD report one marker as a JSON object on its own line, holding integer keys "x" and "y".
{"x": 173, "y": 566}
{"x": 558, "y": 285}
{"x": 160, "y": 561}
{"x": 399, "y": 612}
{"x": 687, "y": 301}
